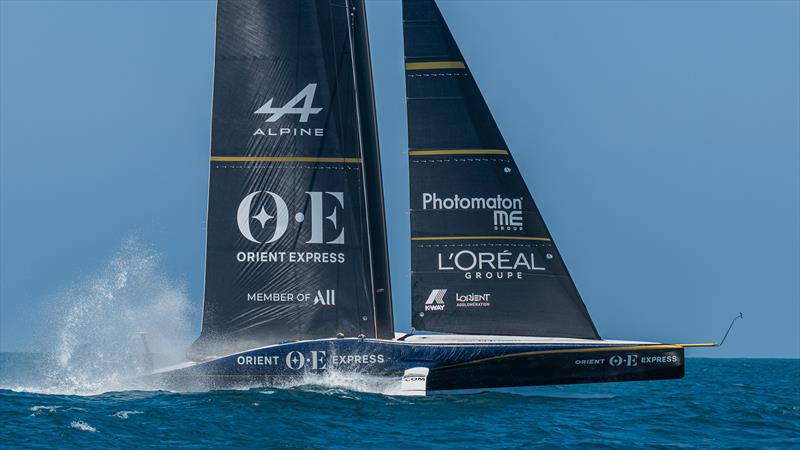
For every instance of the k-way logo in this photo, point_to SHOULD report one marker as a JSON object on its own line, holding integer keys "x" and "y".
{"x": 278, "y": 217}
{"x": 306, "y": 97}
{"x": 506, "y": 212}
{"x": 435, "y": 301}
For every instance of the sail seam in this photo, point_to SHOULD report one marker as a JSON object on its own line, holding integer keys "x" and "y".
{"x": 437, "y": 74}
{"x": 434, "y": 98}
{"x": 286, "y": 159}
{"x": 473, "y": 238}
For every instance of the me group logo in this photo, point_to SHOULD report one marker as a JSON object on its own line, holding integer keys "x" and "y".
{"x": 506, "y": 211}
{"x": 300, "y": 105}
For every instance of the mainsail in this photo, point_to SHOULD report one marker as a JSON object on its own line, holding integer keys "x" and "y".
{"x": 294, "y": 193}
{"x": 483, "y": 260}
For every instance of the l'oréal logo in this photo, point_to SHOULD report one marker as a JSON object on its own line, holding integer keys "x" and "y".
{"x": 489, "y": 265}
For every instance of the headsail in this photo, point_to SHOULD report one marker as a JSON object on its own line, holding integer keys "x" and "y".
{"x": 483, "y": 260}
{"x": 288, "y": 239}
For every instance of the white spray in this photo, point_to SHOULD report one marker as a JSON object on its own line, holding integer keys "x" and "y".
{"x": 96, "y": 346}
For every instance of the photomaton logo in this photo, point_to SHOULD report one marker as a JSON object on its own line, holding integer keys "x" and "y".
{"x": 277, "y": 219}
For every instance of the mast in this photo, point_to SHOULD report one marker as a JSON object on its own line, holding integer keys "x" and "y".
{"x": 373, "y": 181}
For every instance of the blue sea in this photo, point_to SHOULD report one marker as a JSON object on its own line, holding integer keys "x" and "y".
{"x": 722, "y": 403}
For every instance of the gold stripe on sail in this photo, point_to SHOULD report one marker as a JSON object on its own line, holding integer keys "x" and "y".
{"x": 457, "y": 152}
{"x": 436, "y": 65}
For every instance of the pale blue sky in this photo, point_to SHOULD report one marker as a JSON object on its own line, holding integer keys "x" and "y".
{"x": 661, "y": 141}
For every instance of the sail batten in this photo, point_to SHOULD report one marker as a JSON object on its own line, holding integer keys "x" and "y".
{"x": 483, "y": 260}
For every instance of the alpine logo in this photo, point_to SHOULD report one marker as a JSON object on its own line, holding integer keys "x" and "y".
{"x": 306, "y": 96}
{"x": 435, "y": 301}
{"x": 301, "y": 105}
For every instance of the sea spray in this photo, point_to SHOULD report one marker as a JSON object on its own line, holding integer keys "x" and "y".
{"x": 96, "y": 346}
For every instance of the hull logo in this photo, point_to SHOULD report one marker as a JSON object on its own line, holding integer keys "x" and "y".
{"x": 628, "y": 360}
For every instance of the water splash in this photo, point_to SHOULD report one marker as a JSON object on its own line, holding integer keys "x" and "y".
{"x": 95, "y": 346}
{"x": 82, "y": 426}
{"x": 344, "y": 383}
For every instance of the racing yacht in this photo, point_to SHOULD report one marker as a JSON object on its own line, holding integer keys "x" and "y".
{"x": 297, "y": 267}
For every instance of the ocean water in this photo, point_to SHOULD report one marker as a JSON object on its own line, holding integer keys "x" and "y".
{"x": 722, "y": 403}
{"x": 80, "y": 394}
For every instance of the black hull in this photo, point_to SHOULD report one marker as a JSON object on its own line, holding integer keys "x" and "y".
{"x": 477, "y": 365}
{"x": 549, "y": 369}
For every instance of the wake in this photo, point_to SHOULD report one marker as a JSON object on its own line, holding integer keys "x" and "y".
{"x": 94, "y": 344}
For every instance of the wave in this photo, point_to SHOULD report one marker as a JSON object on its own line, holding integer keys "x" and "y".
{"x": 82, "y": 426}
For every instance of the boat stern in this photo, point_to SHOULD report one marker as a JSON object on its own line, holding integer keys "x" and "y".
{"x": 564, "y": 366}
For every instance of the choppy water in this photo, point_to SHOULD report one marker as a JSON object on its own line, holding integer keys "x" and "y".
{"x": 720, "y": 404}
{"x": 80, "y": 394}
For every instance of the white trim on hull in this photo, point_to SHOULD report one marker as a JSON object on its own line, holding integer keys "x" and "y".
{"x": 488, "y": 339}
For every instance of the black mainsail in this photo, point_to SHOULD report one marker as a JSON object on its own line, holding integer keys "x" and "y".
{"x": 295, "y": 203}
{"x": 483, "y": 261}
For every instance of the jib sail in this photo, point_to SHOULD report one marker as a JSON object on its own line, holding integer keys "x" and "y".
{"x": 288, "y": 242}
{"x": 483, "y": 260}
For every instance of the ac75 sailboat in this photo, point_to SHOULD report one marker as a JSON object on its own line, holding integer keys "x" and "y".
{"x": 297, "y": 269}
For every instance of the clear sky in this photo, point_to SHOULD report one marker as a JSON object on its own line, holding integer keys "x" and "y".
{"x": 661, "y": 141}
